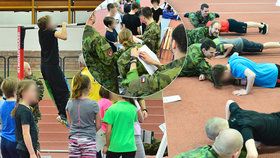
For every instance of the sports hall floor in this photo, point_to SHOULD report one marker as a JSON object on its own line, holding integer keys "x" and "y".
{"x": 200, "y": 100}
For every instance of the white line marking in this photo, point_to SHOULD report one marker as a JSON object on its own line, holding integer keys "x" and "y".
{"x": 240, "y": 3}
{"x": 262, "y": 12}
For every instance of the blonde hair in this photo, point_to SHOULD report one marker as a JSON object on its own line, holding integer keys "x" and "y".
{"x": 9, "y": 87}
{"x": 22, "y": 86}
{"x": 81, "y": 84}
{"x": 126, "y": 37}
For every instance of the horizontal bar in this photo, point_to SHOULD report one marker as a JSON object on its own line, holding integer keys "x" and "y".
{"x": 54, "y": 151}
{"x": 36, "y": 27}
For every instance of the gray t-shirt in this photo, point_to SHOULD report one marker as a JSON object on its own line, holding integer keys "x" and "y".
{"x": 83, "y": 114}
{"x": 236, "y": 42}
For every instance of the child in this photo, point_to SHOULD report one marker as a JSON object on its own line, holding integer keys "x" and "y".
{"x": 8, "y": 142}
{"x": 132, "y": 21}
{"x": 157, "y": 11}
{"x": 84, "y": 118}
{"x": 1, "y": 104}
{"x": 111, "y": 33}
{"x": 26, "y": 127}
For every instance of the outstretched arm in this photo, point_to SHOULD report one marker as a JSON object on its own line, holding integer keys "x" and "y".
{"x": 228, "y": 49}
{"x": 251, "y": 149}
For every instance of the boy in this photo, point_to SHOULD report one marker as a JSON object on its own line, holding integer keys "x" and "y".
{"x": 226, "y": 47}
{"x": 259, "y": 74}
{"x": 198, "y": 34}
{"x": 111, "y": 33}
{"x": 50, "y": 69}
{"x": 157, "y": 11}
{"x": 151, "y": 36}
{"x": 8, "y": 138}
{"x": 131, "y": 20}
{"x": 127, "y": 6}
{"x": 201, "y": 17}
{"x": 120, "y": 119}
{"x": 28, "y": 75}
{"x": 195, "y": 63}
{"x": 113, "y": 12}
{"x": 1, "y": 104}
{"x": 232, "y": 25}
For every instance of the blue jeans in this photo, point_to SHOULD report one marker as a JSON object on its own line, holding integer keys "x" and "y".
{"x": 8, "y": 148}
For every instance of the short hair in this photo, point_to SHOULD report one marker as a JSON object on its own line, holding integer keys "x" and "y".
{"x": 217, "y": 74}
{"x": 108, "y": 21}
{"x": 104, "y": 93}
{"x": 214, "y": 126}
{"x": 1, "y": 81}
{"x": 155, "y": 1}
{"x": 228, "y": 143}
{"x": 9, "y": 87}
{"x": 147, "y": 12}
{"x": 207, "y": 44}
{"x": 214, "y": 22}
{"x": 180, "y": 37}
{"x": 204, "y": 5}
{"x": 111, "y": 6}
{"x": 135, "y": 5}
{"x": 43, "y": 22}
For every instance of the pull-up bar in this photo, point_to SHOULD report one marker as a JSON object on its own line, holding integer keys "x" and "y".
{"x": 21, "y": 30}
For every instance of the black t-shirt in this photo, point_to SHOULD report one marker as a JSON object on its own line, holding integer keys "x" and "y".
{"x": 49, "y": 47}
{"x": 261, "y": 127}
{"x": 157, "y": 13}
{"x": 111, "y": 38}
{"x": 24, "y": 116}
{"x": 132, "y": 22}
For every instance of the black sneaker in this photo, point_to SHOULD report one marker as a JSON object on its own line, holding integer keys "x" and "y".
{"x": 264, "y": 30}
{"x": 187, "y": 15}
{"x": 63, "y": 120}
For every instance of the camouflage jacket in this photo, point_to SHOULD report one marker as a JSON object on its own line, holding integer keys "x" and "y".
{"x": 100, "y": 61}
{"x": 201, "y": 152}
{"x": 149, "y": 84}
{"x": 198, "y": 34}
{"x": 124, "y": 61}
{"x": 41, "y": 89}
{"x": 151, "y": 37}
{"x": 198, "y": 20}
{"x": 195, "y": 63}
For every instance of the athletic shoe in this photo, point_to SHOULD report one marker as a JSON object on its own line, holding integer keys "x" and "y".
{"x": 187, "y": 15}
{"x": 264, "y": 30}
{"x": 62, "y": 119}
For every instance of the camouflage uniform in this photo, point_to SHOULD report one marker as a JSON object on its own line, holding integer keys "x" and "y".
{"x": 100, "y": 62}
{"x": 198, "y": 34}
{"x": 149, "y": 84}
{"x": 198, "y": 20}
{"x": 151, "y": 37}
{"x": 124, "y": 61}
{"x": 40, "y": 85}
{"x": 201, "y": 152}
{"x": 195, "y": 63}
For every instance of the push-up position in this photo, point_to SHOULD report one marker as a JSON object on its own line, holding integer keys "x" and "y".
{"x": 232, "y": 25}
{"x": 226, "y": 46}
{"x": 50, "y": 69}
{"x": 259, "y": 130}
{"x": 258, "y": 74}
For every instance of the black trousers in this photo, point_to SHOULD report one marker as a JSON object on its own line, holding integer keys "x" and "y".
{"x": 23, "y": 154}
{"x": 57, "y": 86}
{"x": 117, "y": 155}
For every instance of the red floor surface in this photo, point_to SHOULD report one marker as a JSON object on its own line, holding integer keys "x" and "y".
{"x": 200, "y": 100}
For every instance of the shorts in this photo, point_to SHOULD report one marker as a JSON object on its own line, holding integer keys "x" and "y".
{"x": 237, "y": 26}
{"x": 82, "y": 147}
{"x": 250, "y": 46}
{"x": 278, "y": 78}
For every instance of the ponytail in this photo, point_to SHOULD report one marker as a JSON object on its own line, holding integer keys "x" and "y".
{"x": 126, "y": 37}
{"x": 81, "y": 84}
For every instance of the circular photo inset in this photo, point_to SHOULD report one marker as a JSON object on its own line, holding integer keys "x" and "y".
{"x": 134, "y": 50}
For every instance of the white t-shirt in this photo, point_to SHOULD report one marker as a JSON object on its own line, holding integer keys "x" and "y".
{"x": 118, "y": 18}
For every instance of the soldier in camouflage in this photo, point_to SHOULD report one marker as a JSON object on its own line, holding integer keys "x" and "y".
{"x": 140, "y": 86}
{"x": 28, "y": 75}
{"x": 99, "y": 57}
{"x": 228, "y": 144}
{"x": 126, "y": 39}
{"x": 201, "y": 17}
{"x": 195, "y": 63}
{"x": 199, "y": 34}
{"x": 151, "y": 36}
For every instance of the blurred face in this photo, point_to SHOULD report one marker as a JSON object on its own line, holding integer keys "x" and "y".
{"x": 226, "y": 76}
{"x": 215, "y": 29}
{"x": 31, "y": 94}
{"x": 27, "y": 70}
{"x": 155, "y": 4}
{"x": 50, "y": 25}
{"x": 91, "y": 19}
{"x": 209, "y": 53}
{"x": 205, "y": 12}
{"x": 114, "y": 11}
{"x": 114, "y": 24}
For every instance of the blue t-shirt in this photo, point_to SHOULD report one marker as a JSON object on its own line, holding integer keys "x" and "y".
{"x": 266, "y": 73}
{"x": 112, "y": 37}
{"x": 1, "y": 104}
{"x": 8, "y": 122}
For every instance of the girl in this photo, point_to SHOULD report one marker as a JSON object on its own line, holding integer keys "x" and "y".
{"x": 84, "y": 118}
{"x": 8, "y": 142}
{"x": 26, "y": 128}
